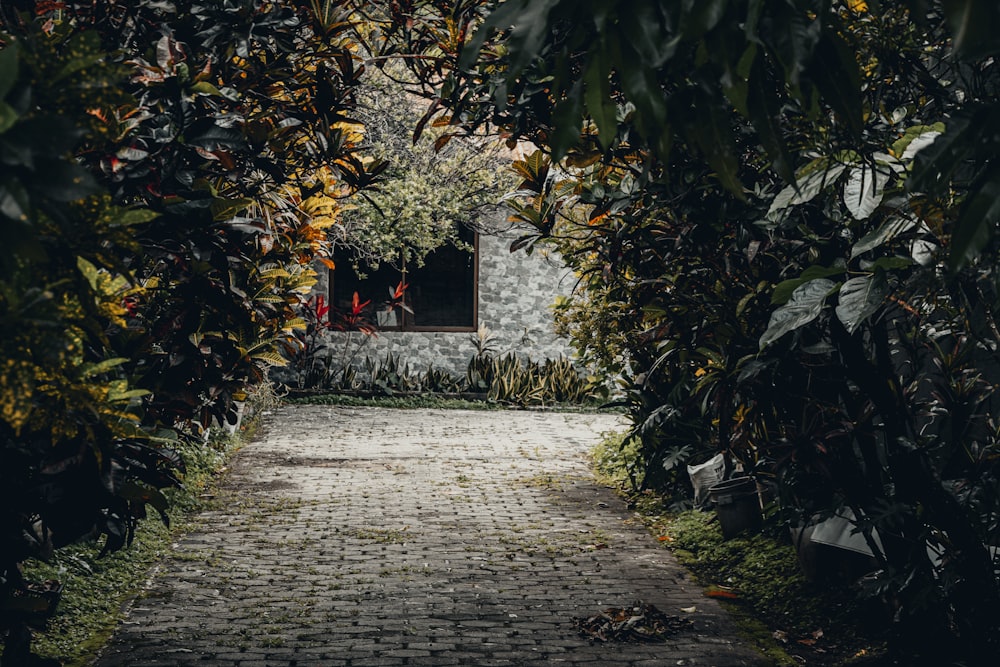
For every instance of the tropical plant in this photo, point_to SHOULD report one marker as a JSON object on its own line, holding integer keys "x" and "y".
{"x": 168, "y": 172}
{"x": 75, "y": 458}
{"x": 315, "y": 361}
{"x": 787, "y": 207}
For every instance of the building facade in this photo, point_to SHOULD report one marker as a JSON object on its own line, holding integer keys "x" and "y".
{"x": 454, "y": 296}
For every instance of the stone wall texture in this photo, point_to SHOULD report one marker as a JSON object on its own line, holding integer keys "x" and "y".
{"x": 516, "y": 294}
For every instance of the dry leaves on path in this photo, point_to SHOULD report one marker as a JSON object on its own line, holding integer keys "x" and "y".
{"x": 638, "y": 622}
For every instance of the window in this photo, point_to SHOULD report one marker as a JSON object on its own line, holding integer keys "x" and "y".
{"x": 441, "y": 295}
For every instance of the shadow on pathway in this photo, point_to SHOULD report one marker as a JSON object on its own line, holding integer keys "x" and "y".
{"x": 361, "y": 536}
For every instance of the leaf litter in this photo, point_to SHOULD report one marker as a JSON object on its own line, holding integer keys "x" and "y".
{"x": 638, "y": 622}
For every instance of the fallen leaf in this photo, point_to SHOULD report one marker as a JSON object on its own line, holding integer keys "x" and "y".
{"x": 781, "y": 636}
{"x": 689, "y": 610}
{"x": 720, "y": 592}
{"x": 666, "y": 538}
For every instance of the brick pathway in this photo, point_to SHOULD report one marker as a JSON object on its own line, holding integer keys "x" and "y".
{"x": 360, "y": 537}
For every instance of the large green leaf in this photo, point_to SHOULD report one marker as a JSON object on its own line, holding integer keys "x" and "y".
{"x": 835, "y": 72}
{"x": 805, "y": 306}
{"x": 977, "y": 221}
{"x": 597, "y": 95}
{"x": 223, "y": 208}
{"x": 528, "y": 24}
{"x": 783, "y": 290}
{"x": 643, "y": 90}
{"x": 567, "y": 117}
{"x": 8, "y": 117}
{"x": 216, "y": 138}
{"x": 701, "y": 16}
{"x": 935, "y": 164}
{"x": 713, "y": 136}
{"x": 974, "y": 27}
{"x": 889, "y": 230}
{"x": 812, "y": 180}
{"x": 642, "y": 27}
{"x": 8, "y": 69}
{"x": 863, "y": 190}
{"x": 763, "y": 109}
{"x": 135, "y": 216}
{"x": 915, "y": 139}
{"x": 859, "y": 298}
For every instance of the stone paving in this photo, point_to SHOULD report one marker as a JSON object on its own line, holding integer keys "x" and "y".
{"x": 358, "y": 537}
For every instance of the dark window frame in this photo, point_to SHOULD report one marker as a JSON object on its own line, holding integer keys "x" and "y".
{"x": 406, "y": 325}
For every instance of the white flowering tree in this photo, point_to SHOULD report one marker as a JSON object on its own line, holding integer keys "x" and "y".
{"x": 429, "y": 186}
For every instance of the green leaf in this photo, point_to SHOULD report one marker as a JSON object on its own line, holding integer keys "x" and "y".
{"x": 135, "y": 216}
{"x": 935, "y": 164}
{"x": 216, "y": 137}
{"x": 892, "y": 263}
{"x": 116, "y": 396}
{"x": 977, "y": 221}
{"x": 889, "y": 230}
{"x": 270, "y": 358}
{"x": 528, "y": 21}
{"x": 701, "y": 16}
{"x": 225, "y": 209}
{"x": 919, "y": 136}
{"x": 642, "y": 27}
{"x": 713, "y": 136}
{"x": 863, "y": 190}
{"x": 145, "y": 494}
{"x": 205, "y": 88}
{"x": 783, "y": 290}
{"x": 835, "y": 72}
{"x": 973, "y": 24}
{"x": 859, "y": 298}
{"x": 597, "y": 95}
{"x": 8, "y": 117}
{"x": 8, "y": 69}
{"x": 567, "y": 118}
{"x": 643, "y": 90}
{"x": 805, "y": 306}
{"x": 763, "y": 112}
{"x": 99, "y": 368}
{"x": 812, "y": 179}
{"x": 735, "y": 76}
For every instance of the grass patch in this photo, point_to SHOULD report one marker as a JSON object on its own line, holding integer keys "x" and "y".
{"x": 757, "y": 577}
{"x": 427, "y": 402}
{"x": 96, "y": 590}
{"x": 421, "y": 402}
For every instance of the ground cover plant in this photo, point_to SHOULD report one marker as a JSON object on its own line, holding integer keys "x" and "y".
{"x": 756, "y": 575}
{"x": 320, "y": 366}
{"x": 97, "y": 587}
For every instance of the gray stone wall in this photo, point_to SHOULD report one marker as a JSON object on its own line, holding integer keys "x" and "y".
{"x": 516, "y": 294}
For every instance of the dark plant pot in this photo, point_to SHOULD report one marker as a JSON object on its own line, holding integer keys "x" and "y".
{"x": 32, "y": 604}
{"x": 737, "y": 505}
